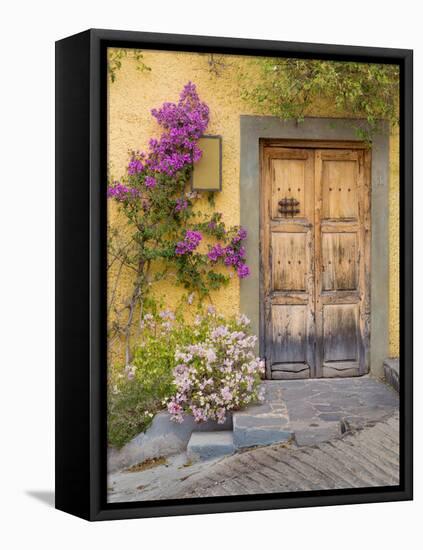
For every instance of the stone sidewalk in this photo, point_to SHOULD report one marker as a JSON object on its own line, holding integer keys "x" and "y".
{"x": 320, "y": 409}
{"x": 345, "y": 435}
{"x": 367, "y": 458}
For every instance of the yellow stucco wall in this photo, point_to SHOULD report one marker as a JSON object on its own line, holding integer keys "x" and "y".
{"x": 131, "y": 125}
{"x": 394, "y": 350}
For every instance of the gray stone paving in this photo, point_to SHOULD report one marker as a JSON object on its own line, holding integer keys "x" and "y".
{"x": 346, "y": 435}
{"x": 366, "y": 458}
{"x": 155, "y": 483}
{"x": 321, "y": 409}
{"x": 263, "y": 424}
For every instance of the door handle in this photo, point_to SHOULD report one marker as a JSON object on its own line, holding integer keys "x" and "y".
{"x": 289, "y": 206}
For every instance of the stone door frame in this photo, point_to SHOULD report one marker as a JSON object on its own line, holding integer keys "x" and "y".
{"x": 255, "y": 128}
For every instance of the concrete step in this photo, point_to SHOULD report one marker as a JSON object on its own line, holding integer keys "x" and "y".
{"x": 261, "y": 425}
{"x": 313, "y": 433}
{"x": 209, "y": 445}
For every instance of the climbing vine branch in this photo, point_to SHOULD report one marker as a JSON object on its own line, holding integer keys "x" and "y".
{"x": 164, "y": 231}
{"x": 115, "y": 57}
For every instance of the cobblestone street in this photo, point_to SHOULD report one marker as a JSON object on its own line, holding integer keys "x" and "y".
{"x": 346, "y": 434}
{"x": 367, "y": 458}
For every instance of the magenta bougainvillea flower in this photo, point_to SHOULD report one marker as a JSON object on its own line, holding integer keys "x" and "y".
{"x": 189, "y": 244}
{"x": 232, "y": 255}
{"x": 150, "y": 182}
{"x": 243, "y": 271}
{"x": 181, "y": 204}
{"x": 135, "y": 165}
{"x": 184, "y": 122}
{"x": 157, "y": 178}
{"x": 216, "y": 252}
{"x": 240, "y": 236}
{"x": 121, "y": 192}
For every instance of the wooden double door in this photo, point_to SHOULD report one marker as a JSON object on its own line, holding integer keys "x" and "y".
{"x": 315, "y": 259}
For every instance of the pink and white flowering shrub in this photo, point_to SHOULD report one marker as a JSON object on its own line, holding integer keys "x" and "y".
{"x": 217, "y": 375}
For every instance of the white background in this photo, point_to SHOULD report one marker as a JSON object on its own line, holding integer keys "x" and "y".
{"x": 28, "y": 32}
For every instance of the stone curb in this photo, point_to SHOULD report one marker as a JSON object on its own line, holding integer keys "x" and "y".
{"x": 392, "y": 372}
{"x": 163, "y": 438}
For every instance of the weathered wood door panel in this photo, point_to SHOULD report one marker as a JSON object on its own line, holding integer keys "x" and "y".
{"x": 288, "y": 271}
{"x": 290, "y": 261}
{"x": 315, "y": 257}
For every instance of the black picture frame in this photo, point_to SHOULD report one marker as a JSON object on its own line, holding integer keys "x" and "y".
{"x": 81, "y": 148}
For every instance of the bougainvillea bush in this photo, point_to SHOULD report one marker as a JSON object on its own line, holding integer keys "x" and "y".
{"x": 218, "y": 374}
{"x": 167, "y": 235}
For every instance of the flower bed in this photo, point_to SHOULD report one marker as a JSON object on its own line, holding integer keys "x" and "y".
{"x": 204, "y": 369}
{"x": 218, "y": 374}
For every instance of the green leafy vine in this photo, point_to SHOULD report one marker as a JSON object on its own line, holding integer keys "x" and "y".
{"x": 289, "y": 88}
{"x": 115, "y": 57}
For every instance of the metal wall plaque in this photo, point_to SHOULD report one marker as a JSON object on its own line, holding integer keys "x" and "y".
{"x": 207, "y": 173}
